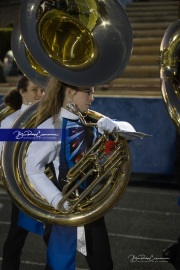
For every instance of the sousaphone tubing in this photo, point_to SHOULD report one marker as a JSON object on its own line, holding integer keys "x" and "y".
{"x": 82, "y": 43}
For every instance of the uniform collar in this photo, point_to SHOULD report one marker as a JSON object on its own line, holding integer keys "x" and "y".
{"x": 67, "y": 114}
{"x": 23, "y": 107}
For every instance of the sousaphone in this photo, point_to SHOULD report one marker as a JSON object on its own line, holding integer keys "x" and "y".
{"x": 82, "y": 43}
{"x": 4, "y": 112}
{"x": 170, "y": 71}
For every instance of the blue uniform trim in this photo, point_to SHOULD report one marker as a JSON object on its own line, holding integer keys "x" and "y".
{"x": 62, "y": 244}
{"x": 28, "y": 223}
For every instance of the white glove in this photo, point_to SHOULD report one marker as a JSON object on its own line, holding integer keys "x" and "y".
{"x": 57, "y": 199}
{"x": 124, "y": 126}
{"x": 66, "y": 205}
{"x": 106, "y": 124}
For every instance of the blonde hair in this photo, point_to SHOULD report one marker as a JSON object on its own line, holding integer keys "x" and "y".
{"x": 52, "y": 101}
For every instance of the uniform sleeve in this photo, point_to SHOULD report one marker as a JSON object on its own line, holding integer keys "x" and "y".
{"x": 6, "y": 123}
{"x": 39, "y": 154}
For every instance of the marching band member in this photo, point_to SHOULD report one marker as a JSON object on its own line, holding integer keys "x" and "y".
{"x": 63, "y": 241}
{"x": 19, "y": 99}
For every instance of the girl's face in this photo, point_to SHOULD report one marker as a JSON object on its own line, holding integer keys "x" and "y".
{"x": 32, "y": 94}
{"x": 82, "y": 98}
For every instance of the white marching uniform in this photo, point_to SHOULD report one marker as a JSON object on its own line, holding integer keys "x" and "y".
{"x": 21, "y": 224}
{"x": 10, "y": 119}
{"x": 41, "y": 153}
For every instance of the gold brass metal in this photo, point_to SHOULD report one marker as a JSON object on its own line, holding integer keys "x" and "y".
{"x": 169, "y": 71}
{"x": 109, "y": 172}
{"x": 4, "y": 112}
{"x": 69, "y": 43}
{"x": 82, "y": 43}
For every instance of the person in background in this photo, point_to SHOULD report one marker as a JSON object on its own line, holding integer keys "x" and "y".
{"x": 2, "y": 77}
{"x": 10, "y": 67}
{"x": 63, "y": 241}
{"x": 19, "y": 99}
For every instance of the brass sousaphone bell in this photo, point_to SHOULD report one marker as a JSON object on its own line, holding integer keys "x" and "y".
{"x": 170, "y": 71}
{"x": 85, "y": 43}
